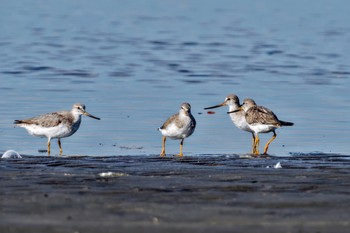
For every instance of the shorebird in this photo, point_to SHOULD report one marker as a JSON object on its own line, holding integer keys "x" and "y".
{"x": 261, "y": 120}
{"x": 237, "y": 116}
{"x": 179, "y": 126}
{"x": 55, "y": 125}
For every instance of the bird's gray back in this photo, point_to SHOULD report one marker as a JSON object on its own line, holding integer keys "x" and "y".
{"x": 49, "y": 119}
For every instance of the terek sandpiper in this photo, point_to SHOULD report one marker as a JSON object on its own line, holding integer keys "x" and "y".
{"x": 237, "y": 116}
{"x": 55, "y": 125}
{"x": 261, "y": 120}
{"x": 179, "y": 126}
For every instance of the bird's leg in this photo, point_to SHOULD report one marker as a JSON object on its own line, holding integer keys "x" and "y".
{"x": 253, "y": 143}
{"x": 163, "y": 146}
{"x": 268, "y": 143}
{"x": 48, "y": 146}
{"x": 60, "y": 146}
{"x": 181, "y": 145}
{"x": 257, "y": 143}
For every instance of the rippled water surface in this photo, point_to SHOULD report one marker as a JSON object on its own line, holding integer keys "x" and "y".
{"x": 134, "y": 62}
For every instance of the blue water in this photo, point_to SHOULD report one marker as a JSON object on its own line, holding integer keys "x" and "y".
{"x": 134, "y": 62}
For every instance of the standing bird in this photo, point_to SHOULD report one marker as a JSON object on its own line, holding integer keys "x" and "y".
{"x": 55, "y": 125}
{"x": 237, "y": 116}
{"x": 179, "y": 126}
{"x": 261, "y": 120}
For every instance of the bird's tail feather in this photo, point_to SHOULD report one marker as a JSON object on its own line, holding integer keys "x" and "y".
{"x": 17, "y": 122}
{"x": 286, "y": 123}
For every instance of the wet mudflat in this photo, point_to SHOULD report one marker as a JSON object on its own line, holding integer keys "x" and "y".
{"x": 204, "y": 193}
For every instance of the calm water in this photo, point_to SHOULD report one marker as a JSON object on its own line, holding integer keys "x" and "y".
{"x": 134, "y": 62}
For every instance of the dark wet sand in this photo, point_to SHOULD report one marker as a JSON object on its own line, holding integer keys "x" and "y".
{"x": 310, "y": 193}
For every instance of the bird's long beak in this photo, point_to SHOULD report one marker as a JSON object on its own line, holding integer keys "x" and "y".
{"x": 237, "y": 110}
{"x": 216, "y": 106}
{"x": 89, "y": 115}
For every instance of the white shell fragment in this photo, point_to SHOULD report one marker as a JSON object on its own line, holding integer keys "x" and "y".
{"x": 278, "y": 165}
{"x": 11, "y": 154}
{"x": 112, "y": 174}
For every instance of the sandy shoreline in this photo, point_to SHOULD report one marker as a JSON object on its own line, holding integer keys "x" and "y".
{"x": 309, "y": 193}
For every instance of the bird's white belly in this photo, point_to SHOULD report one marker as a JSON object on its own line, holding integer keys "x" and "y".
{"x": 173, "y": 132}
{"x": 59, "y": 131}
{"x": 260, "y": 128}
{"x": 240, "y": 122}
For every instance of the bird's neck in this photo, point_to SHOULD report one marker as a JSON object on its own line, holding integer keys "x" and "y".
{"x": 76, "y": 116}
{"x": 183, "y": 113}
{"x": 233, "y": 107}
